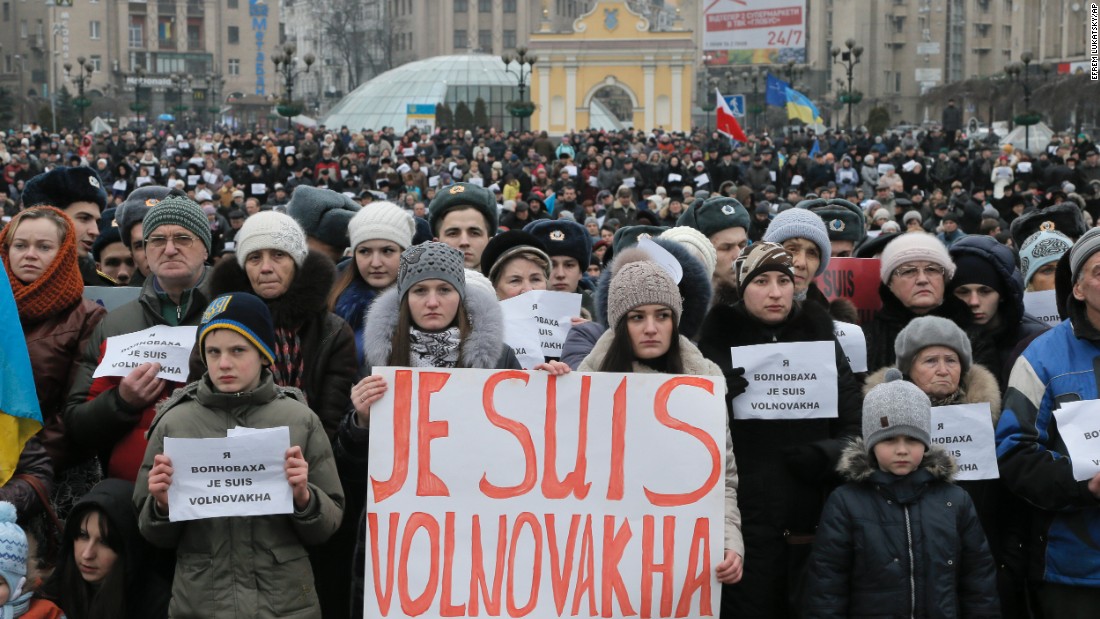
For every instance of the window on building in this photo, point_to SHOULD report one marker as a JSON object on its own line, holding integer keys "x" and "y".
{"x": 234, "y": 66}
{"x": 23, "y": 32}
{"x": 97, "y": 63}
{"x": 8, "y": 66}
{"x": 461, "y": 6}
{"x": 460, "y": 39}
{"x": 485, "y": 40}
{"x": 194, "y": 34}
{"x": 166, "y": 33}
{"x": 137, "y": 31}
{"x": 234, "y": 35}
{"x": 485, "y": 6}
{"x": 93, "y": 29}
{"x": 509, "y": 39}
{"x": 7, "y": 11}
{"x": 232, "y": 4}
{"x": 509, "y": 6}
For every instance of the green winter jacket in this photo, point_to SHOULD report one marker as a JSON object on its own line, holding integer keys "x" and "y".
{"x": 255, "y": 566}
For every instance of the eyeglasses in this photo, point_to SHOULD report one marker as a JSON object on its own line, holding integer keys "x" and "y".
{"x": 910, "y": 272}
{"x": 181, "y": 241}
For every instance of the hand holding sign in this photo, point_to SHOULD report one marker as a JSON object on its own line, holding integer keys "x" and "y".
{"x": 363, "y": 394}
{"x": 297, "y": 475}
{"x": 141, "y": 386}
{"x": 160, "y": 478}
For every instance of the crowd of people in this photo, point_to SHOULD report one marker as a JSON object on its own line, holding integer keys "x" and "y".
{"x": 306, "y": 258}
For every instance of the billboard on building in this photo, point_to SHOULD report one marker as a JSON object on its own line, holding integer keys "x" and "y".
{"x": 754, "y": 31}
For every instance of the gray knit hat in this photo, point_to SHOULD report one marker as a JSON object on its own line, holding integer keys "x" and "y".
{"x": 271, "y": 230}
{"x": 1082, "y": 250}
{"x": 896, "y": 408}
{"x": 927, "y": 331}
{"x": 323, "y": 214}
{"x": 179, "y": 211}
{"x": 639, "y": 281}
{"x": 432, "y": 260}
{"x": 799, "y": 223}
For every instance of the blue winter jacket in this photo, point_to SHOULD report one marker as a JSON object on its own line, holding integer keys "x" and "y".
{"x": 1057, "y": 367}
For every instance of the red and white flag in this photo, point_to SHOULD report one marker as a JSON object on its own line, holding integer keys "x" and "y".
{"x": 727, "y": 123}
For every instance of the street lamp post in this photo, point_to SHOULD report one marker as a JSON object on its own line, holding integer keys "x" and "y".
{"x": 213, "y": 83}
{"x": 179, "y": 84}
{"x": 521, "y": 109}
{"x": 754, "y": 76}
{"x": 848, "y": 59}
{"x": 285, "y": 63}
{"x": 81, "y": 80}
{"x": 139, "y": 76}
{"x": 1018, "y": 72}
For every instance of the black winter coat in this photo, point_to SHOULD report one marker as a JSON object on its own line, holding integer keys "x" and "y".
{"x": 783, "y": 466}
{"x": 907, "y": 546}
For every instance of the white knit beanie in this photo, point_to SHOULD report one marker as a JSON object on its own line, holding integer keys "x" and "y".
{"x": 382, "y": 221}
{"x": 911, "y": 247}
{"x": 271, "y": 230}
{"x": 699, "y": 244}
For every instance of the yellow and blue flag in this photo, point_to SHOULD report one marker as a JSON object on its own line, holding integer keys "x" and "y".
{"x": 20, "y": 414}
{"x": 799, "y": 106}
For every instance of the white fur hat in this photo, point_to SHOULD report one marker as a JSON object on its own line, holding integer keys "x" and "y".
{"x": 382, "y": 221}
{"x": 271, "y": 230}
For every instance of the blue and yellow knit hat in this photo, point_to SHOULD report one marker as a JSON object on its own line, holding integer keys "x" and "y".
{"x": 242, "y": 313}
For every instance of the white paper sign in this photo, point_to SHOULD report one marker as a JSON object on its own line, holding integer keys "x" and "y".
{"x": 1044, "y": 306}
{"x": 853, "y": 343}
{"x": 168, "y": 346}
{"x": 259, "y": 189}
{"x": 526, "y": 484}
{"x": 883, "y": 168}
{"x": 119, "y": 185}
{"x": 571, "y": 169}
{"x": 1079, "y": 427}
{"x": 477, "y": 181}
{"x": 771, "y": 175}
{"x": 1023, "y": 167}
{"x": 966, "y": 432}
{"x": 408, "y": 152}
{"x": 404, "y": 167}
{"x": 192, "y": 180}
{"x": 143, "y": 180}
{"x": 702, "y": 179}
{"x": 290, "y": 150}
{"x": 629, "y": 181}
{"x": 662, "y": 257}
{"x": 433, "y": 181}
{"x": 240, "y": 475}
{"x": 794, "y": 380}
{"x": 593, "y": 181}
{"x": 672, "y": 178}
{"x": 210, "y": 178}
{"x": 537, "y": 322}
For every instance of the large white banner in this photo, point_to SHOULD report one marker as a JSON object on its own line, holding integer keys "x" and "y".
{"x": 754, "y": 31}
{"x": 514, "y": 493}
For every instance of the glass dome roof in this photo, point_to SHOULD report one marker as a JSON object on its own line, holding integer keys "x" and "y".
{"x": 381, "y": 102}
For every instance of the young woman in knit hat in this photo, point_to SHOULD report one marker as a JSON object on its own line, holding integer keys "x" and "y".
{"x": 40, "y": 257}
{"x": 248, "y": 566}
{"x": 643, "y": 336}
{"x": 785, "y": 466}
{"x": 315, "y": 349}
{"x": 430, "y": 318}
{"x": 378, "y": 235}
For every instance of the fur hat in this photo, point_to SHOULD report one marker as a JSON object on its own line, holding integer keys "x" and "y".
{"x": 799, "y": 223}
{"x": 639, "y": 281}
{"x": 700, "y": 246}
{"x": 463, "y": 195}
{"x": 13, "y": 551}
{"x": 714, "y": 215}
{"x": 179, "y": 211}
{"x": 627, "y": 236}
{"x": 242, "y": 313}
{"x": 382, "y": 221}
{"x": 761, "y": 258}
{"x": 563, "y": 238}
{"x": 927, "y": 331}
{"x": 432, "y": 260}
{"x": 271, "y": 230}
{"x": 132, "y": 212}
{"x": 911, "y": 216}
{"x": 62, "y": 186}
{"x": 323, "y": 214}
{"x": 911, "y": 247}
{"x": 1041, "y": 249}
{"x": 1065, "y": 218}
{"x": 844, "y": 220}
{"x": 896, "y": 408}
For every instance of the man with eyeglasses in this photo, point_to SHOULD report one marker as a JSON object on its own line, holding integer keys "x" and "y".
{"x": 915, "y": 269}
{"x": 129, "y": 216}
{"x": 111, "y": 414}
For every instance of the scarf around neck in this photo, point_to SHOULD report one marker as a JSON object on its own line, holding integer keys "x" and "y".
{"x": 433, "y": 349}
{"x": 57, "y": 288}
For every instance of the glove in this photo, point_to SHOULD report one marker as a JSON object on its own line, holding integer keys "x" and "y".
{"x": 736, "y": 384}
{"x": 807, "y": 462}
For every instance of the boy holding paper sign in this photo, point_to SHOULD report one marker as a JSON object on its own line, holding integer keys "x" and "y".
{"x": 245, "y": 566}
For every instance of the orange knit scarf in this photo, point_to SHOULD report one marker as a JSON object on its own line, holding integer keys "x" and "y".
{"x": 59, "y": 286}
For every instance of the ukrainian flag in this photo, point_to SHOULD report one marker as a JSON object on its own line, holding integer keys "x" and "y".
{"x": 20, "y": 415}
{"x": 799, "y": 106}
